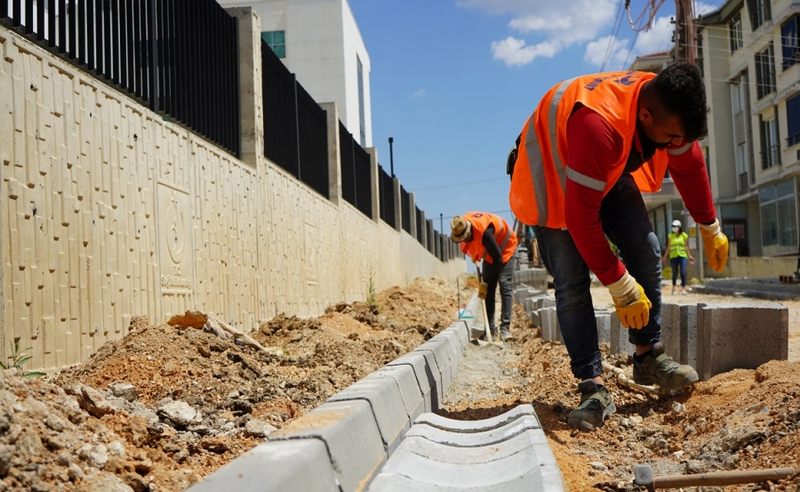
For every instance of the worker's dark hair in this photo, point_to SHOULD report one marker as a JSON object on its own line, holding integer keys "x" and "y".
{"x": 680, "y": 91}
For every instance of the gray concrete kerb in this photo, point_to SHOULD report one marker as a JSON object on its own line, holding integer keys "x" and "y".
{"x": 281, "y": 464}
{"x": 410, "y": 391}
{"x": 386, "y": 404}
{"x": 425, "y": 378}
{"x": 350, "y": 434}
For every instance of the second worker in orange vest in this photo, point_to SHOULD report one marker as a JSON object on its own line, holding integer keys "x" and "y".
{"x": 484, "y": 236}
{"x": 591, "y": 147}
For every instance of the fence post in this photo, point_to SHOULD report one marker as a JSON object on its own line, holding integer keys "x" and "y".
{"x": 412, "y": 211}
{"x": 374, "y": 176}
{"x": 398, "y": 205}
{"x": 251, "y": 95}
{"x": 334, "y": 156}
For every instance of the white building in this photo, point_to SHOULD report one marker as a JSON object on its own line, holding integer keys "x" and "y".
{"x": 751, "y": 64}
{"x": 319, "y": 41}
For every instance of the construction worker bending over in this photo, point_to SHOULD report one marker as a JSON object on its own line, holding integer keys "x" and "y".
{"x": 592, "y": 146}
{"x": 484, "y": 236}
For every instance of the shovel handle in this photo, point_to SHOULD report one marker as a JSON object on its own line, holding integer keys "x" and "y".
{"x": 722, "y": 478}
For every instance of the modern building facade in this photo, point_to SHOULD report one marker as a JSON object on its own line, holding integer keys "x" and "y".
{"x": 751, "y": 65}
{"x": 319, "y": 41}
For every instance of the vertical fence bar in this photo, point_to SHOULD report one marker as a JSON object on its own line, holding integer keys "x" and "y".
{"x": 62, "y": 26}
{"x": 107, "y": 72}
{"x": 71, "y": 29}
{"x": 29, "y": 16}
{"x": 82, "y": 31}
{"x": 117, "y": 39}
{"x": 129, "y": 80}
{"x": 91, "y": 39}
{"x": 234, "y": 89}
{"x": 152, "y": 60}
{"x": 137, "y": 46}
{"x": 51, "y": 22}
{"x": 3, "y": 9}
{"x": 40, "y": 32}
{"x": 97, "y": 42}
{"x": 16, "y": 16}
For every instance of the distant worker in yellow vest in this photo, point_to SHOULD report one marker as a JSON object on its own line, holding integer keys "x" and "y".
{"x": 486, "y": 237}
{"x": 586, "y": 154}
{"x": 678, "y": 254}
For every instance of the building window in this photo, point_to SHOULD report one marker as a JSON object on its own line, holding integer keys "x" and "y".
{"x": 735, "y": 32}
{"x": 765, "y": 71}
{"x": 770, "y": 145}
{"x": 361, "y": 111}
{"x": 277, "y": 41}
{"x": 793, "y": 120}
{"x": 790, "y": 46}
{"x": 759, "y": 12}
{"x": 779, "y": 217}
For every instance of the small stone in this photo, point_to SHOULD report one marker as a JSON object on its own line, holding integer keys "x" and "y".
{"x": 63, "y": 459}
{"x": 233, "y": 395}
{"x": 178, "y": 412}
{"x": 598, "y": 465}
{"x": 678, "y": 407}
{"x": 35, "y": 407}
{"x": 677, "y": 455}
{"x": 626, "y": 423}
{"x": 55, "y": 423}
{"x": 116, "y": 448}
{"x": 93, "y": 402}
{"x": 660, "y": 443}
{"x": 258, "y": 428}
{"x": 636, "y": 420}
{"x": 75, "y": 473}
{"x": 6, "y": 453}
{"x": 169, "y": 368}
{"x": 124, "y": 390}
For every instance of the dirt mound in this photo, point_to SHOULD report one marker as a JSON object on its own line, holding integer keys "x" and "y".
{"x": 167, "y": 405}
{"x": 743, "y": 419}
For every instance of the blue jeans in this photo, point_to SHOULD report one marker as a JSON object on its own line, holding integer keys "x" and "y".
{"x": 624, "y": 219}
{"x": 678, "y": 263}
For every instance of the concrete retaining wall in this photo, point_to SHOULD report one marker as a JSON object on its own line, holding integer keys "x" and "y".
{"x": 110, "y": 211}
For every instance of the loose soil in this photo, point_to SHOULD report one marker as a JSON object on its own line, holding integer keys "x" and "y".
{"x": 168, "y": 404}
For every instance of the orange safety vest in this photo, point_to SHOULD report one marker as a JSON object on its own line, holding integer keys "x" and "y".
{"x": 506, "y": 238}
{"x": 539, "y": 179}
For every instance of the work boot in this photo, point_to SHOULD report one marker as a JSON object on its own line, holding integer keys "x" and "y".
{"x": 656, "y": 367}
{"x": 505, "y": 334}
{"x": 596, "y": 404}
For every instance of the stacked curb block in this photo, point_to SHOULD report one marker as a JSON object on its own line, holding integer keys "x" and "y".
{"x": 506, "y": 453}
{"x": 340, "y": 445}
{"x": 713, "y": 338}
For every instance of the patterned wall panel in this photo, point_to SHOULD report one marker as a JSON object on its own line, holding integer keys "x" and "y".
{"x": 109, "y": 211}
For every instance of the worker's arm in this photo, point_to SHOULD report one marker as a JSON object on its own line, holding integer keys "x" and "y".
{"x": 490, "y": 244}
{"x": 687, "y": 168}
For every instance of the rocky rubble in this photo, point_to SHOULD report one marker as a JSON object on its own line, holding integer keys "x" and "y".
{"x": 169, "y": 404}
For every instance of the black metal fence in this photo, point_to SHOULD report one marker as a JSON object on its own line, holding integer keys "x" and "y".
{"x": 386, "y": 194}
{"x": 405, "y": 207}
{"x": 295, "y": 126}
{"x": 420, "y": 224}
{"x": 355, "y": 162}
{"x": 179, "y": 57}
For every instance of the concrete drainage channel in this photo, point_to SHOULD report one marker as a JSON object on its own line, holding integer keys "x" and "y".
{"x": 379, "y": 435}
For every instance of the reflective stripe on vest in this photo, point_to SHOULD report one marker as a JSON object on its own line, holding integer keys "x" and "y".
{"x": 535, "y": 157}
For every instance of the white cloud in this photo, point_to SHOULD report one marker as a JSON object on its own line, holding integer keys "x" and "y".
{"x": 555, "y": 25}
{"x": 702, "y": 8}
{"x": 598, "y": 51}
{"x": 418, "y": 93}
{"x": 659, "y": 38}
{"x": 515, "y": 52}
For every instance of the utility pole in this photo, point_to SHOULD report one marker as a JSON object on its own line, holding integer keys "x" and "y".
{"x": 441, "y": 222}
{"x": 685, "y": 32}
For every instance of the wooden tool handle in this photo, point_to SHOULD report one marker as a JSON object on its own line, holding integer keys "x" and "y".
{"x": 722, "y": 478}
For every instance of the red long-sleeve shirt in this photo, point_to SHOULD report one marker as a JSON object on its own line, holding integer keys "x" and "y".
{"x": 594, "y": 148}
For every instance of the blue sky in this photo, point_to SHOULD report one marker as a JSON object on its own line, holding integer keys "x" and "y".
{"x": 454, "y": 80}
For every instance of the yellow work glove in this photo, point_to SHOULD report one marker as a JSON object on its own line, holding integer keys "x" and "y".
{"x": 483, "y": 288}
{"x": 633, "y": 306}
{"x": 715, "y": 245}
